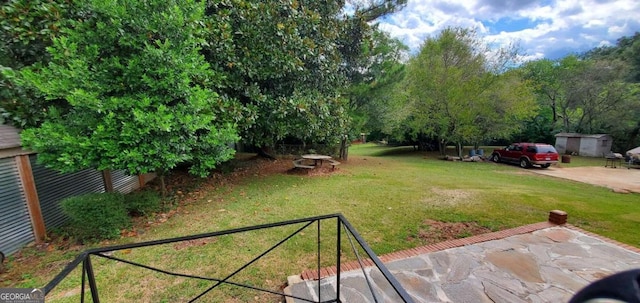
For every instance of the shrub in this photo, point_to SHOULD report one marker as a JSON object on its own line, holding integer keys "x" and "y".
{"x": 143, "y": 203}
{"x": 96, "y": 216}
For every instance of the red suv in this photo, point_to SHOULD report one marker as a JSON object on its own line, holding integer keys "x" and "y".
{"x": 527, "y": 154}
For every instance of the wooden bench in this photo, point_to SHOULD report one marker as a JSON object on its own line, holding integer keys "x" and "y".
{"x": 298, "y": 163}
{"x": 333, "y": 163}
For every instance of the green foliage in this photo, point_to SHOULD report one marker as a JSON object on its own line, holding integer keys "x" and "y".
{"x": 586, "y": 95}
{"x": 374, "y": 9}
{"x": 143, "y": 203}
{"x": 130, "y": 90}
{"x": 125, "y": 84}
{"x": 96, "y": 216}
{"x": 455, "y": 92}
{"x": 26, "y": 30}
{"x": 373, "y": 78}
{"x": 627, "y": 49}
{"x": 282, "y": 63}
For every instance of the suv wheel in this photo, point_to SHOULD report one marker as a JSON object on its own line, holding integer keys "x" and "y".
{"x": 524, "y": 163}
{"x": 495, "y": 158}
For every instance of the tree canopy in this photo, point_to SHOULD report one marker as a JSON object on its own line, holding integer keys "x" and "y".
{"x": 594, "y": 93}
{"x": 27, "y": 28}
{"x": 147, "y": 86}
{"x": 455, "y": 92}
{"x": 128, "y": 89}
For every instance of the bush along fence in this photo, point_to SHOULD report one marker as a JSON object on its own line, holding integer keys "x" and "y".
{"x": 30, "y": 195}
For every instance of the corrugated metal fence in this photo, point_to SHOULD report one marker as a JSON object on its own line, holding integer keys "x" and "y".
{"x": 16, "y": 229}
{"x": 53, "y": 187}
{"x": 15, "y": 224}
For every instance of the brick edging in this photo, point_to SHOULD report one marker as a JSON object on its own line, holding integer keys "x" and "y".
{"x": 412, "y": 252}
{"x": 603, "y": 238}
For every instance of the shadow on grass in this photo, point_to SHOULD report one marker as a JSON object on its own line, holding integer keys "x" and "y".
{"x": 386, "y": 150}
{"x": 382, "y": 150}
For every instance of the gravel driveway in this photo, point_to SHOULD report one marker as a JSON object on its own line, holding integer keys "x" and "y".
{"x": 619, "y": 179}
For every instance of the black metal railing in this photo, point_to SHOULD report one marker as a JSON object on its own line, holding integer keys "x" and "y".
{"x": 354, "y": 241}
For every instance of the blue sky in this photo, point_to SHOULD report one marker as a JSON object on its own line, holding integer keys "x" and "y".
{"x": 542, "y": 29}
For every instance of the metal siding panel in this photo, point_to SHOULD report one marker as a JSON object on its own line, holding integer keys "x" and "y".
{"x": 148, "y": 177}
{"x": 15, "y": 224}
{"x": 53, "y": 187}
{"x": 9, "y": 137}
{"x": 124, "y": 183}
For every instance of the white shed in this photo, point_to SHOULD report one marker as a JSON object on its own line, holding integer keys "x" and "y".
{"x": 597, "y": 145}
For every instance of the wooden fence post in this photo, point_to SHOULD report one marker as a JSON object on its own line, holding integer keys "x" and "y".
{"x": 141, "y": 180}
{"x": 107, "y": 180}
{"x": 31, "y": 196}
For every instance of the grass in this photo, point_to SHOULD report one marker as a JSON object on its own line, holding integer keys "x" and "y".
{"x": 386, "y": 193}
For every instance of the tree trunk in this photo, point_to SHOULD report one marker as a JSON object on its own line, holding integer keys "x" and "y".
{"x": 442, "y": 147}
{"x": 555, "y": 112}
{"x": 344, "y": 148}
{"x": 459, "y": 149}
{"x": 163, "y": 188}
{"x": 262, "y": 152}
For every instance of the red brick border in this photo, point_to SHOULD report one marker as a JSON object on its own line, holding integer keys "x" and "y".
{"x": 556, "y": 218}
{"x": 603, "y": 238}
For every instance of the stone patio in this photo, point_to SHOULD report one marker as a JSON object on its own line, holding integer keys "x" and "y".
{"x": 541, "y": 262}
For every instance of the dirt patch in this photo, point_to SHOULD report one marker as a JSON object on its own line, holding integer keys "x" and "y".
{"x": 318, "y": 171}
{"x": 621, "y": 179}
{"x": 433, "y": 231}
{"x": 450, "y": 197}
{"x": 190, "y": 243}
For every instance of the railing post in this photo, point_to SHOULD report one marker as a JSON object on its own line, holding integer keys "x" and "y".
{"x": 92, "y": 279}
{"x": 318, "y": 269}
{"x": 338, "y": 242}
{"x": 83, "y": 273}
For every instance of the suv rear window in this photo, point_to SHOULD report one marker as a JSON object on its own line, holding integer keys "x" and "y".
{"x": 545, "y": 149}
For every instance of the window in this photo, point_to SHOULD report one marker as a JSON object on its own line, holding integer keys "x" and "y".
{"x": 546, "y": 149}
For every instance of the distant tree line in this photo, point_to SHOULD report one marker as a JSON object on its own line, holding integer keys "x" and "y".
{"x": 457, "y": 90}
{"x": 595, "y": 92}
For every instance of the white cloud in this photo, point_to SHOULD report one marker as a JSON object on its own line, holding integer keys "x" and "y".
{"x": 554, "y": 27}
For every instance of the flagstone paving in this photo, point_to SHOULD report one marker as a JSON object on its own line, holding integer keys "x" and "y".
{"x": 546, "y": 265}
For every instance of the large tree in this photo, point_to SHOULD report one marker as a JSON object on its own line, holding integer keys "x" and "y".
{"x": 587, "y": 95}
{"x": 596, "y": 92}
{"x": 27, "y": 28}
{"x": 373, "y": 79}
{"x": 289, "y": 63}
{"x": 457, "y": 91}
{"x": 627, "y": 49}
{"x": 281, "y": 65}
{"x": 130, "y": 90}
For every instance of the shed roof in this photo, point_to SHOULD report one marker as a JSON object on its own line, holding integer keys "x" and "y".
{"x": 9, "y": 137}
{"x": 577, "y": 135}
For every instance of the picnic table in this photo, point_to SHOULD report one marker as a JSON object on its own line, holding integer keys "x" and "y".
{"x": 316, "y": 158}
{"x": 317, "y": 161}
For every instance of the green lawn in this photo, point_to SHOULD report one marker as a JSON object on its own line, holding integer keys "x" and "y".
{"x": 386, "y": 193}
